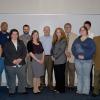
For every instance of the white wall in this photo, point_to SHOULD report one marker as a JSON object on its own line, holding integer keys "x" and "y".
{"x": 38, "y": 21}
{"x": 50, "y": 6}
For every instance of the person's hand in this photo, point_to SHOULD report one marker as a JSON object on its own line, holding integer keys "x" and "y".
{"x": 15, "y": 61}
{"x": 41, "y": 61}
{"x": 53, "y": 59}
{"x": 27, "y": 55}
{"x": 19, "y": 60}
{"x": 68, "y": 54}
{"x": 81, "y": 57}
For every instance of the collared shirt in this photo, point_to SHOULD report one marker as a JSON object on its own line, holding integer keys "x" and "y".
{"x": 25, "y": 38}
{"x": 91, "y": 34}
{"x": 47, "y": 44}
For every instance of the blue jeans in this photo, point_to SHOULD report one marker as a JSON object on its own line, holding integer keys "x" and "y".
{"x": 83, "y": 69}
{"x": 1, "y": 65}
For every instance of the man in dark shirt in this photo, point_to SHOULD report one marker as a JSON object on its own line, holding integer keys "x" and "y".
{"x": 4, "y": 37}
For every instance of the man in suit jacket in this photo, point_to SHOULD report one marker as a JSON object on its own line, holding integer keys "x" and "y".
{"x": 70, "y": 66}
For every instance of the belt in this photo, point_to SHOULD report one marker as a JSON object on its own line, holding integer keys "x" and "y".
{"x": 47, "y": 55}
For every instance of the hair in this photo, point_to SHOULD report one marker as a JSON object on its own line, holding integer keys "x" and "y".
{"x": 4, "y": 23}
{"x": 87, "y": 22}
{"x": 26, "y": 26}
{"x": 84, "y": 28}
{"x": 69, "y": 24}
{"x": 63, "y": 35}
{"x": 46, "y": 27}
{"x": 33, "y": 32}
{"x": 11, "y": 32}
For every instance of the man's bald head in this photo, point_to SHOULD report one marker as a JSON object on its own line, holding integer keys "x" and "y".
{"x": 4, "y": 26}
{"x": 46, "y": 30}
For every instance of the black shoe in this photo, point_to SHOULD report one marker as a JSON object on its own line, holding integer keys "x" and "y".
{"x": 37, "y": 92}
{"x": 71, "y": 89}
{"x": 11, "y": 94}
{"x": 56, "y": 91}
{"x": 91, "y": 88}
{"x": 77, "y": 94}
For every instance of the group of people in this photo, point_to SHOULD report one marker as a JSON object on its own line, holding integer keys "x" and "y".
{"x": 29, "y": 57}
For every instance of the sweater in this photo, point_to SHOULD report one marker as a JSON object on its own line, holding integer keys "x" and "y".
{"x": 58, "y": 52}
{"x": 86, "y": 48}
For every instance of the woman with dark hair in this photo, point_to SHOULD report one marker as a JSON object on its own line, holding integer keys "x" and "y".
{"x": 36, "y": 53}
{"x": 15, "y": 53}
{"x": 83, "y": 49}
{"x": 58, "y": 55}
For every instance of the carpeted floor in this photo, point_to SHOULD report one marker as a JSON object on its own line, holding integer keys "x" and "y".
{"x": 45, "y": 95}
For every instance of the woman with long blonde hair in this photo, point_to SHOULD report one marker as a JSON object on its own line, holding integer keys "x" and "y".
{"x": 58, "y": 55}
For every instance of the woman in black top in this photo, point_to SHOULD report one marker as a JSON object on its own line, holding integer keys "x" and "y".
{"x": 36, "y": 53}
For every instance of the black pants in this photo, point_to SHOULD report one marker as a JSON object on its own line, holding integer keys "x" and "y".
{"x": 60, "y": 77}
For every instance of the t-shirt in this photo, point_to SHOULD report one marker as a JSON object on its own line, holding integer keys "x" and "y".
{"x": 4, "y": 37}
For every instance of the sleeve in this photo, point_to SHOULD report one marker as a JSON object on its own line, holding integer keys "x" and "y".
{"x": 73, "y": 49}
{"x": 24, "y": 50}
{"x": 42, "y": 47}
{"x": 60, "y": 49}
{"x": 0, "y": 50}
{"x": 29, "y": 47}
{"x": 92, "y": 49}
{"x": 52, "y": 49}
{"x": 95, "y": 52}
{"x": 7, "y": 53}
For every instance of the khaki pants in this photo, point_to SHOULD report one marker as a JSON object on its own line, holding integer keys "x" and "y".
{"x": 49, "y": 67}
{"x": 70, "y": 74}
{"x": 96, "y": 81}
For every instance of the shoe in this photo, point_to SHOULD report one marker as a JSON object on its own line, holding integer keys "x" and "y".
{"x": 56, "y": 90}
{"x": 38, "y": 92}
{"x": 71, "y": 89}
{"x": 11, "y": 94}
{"x": 62, "y": 91}
{"x": 77, "y": 93}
